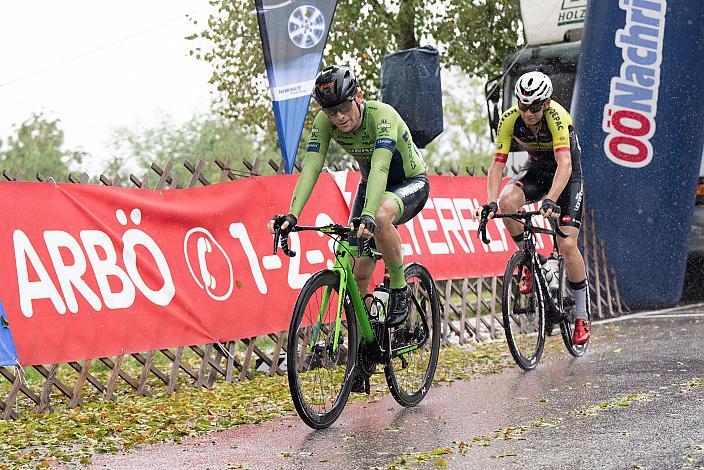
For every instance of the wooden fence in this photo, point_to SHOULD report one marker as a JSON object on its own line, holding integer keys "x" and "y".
{"x": 471, "y": 311}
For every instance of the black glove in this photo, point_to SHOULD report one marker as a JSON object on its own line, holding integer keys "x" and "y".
{"x": 279, "y": 219}
{"x": 368, "y": 222}
{"x": 489, "y": 209}
{"x": 550, "y": 204}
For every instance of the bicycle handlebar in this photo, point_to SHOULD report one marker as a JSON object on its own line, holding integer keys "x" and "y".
{"x": 524, "y": 218}
{"x": 330, "y": 229}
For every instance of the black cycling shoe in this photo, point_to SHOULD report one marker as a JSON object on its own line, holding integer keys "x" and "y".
{"x": 398, "y": 306}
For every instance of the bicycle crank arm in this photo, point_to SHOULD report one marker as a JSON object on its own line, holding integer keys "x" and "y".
{"x": 408, "y": 348}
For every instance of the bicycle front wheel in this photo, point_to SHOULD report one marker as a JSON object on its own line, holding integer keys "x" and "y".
{"x": 318, "y": 359}
{"x": 523, "y": 311}
{"x": 415, "y": 344}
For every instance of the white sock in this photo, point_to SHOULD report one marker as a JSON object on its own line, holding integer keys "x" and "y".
{"x": 580, "y": 294}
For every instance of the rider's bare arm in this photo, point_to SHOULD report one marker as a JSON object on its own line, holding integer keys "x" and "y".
{"x": 562, "y": 175}
{"x": 558, "y": 121}
{"x": 493, "y": 182}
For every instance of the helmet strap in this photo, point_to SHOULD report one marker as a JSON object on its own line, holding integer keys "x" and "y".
{"x": 361, "y": 115}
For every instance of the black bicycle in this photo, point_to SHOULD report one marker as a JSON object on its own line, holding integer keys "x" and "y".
{"x": 535, "y": 295}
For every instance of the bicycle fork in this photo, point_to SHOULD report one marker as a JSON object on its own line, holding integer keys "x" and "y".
{"x": 346, "y": 286}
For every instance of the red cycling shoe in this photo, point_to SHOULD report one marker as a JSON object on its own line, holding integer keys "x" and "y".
{"x": 581, "y": 332}
{"x": 525, "y": 286}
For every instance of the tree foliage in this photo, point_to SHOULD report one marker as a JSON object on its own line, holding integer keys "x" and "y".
{"x": 37, "y": 147}
{"x": 204, "y": 137}
{"x": 474, "y": 35}
{"x": 465, "y": 143}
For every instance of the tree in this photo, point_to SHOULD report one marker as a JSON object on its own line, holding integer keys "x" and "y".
{"x": 465, "y": 141}
{"x": 473, "y": 35}
{"x": 37, "y": 148}
{"x": 204, "y": 137}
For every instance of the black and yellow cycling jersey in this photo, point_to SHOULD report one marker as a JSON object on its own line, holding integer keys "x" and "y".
{"x": 553, "y": 135}
{"x": 383, "y": 148}
{"x": 555, "y": 132}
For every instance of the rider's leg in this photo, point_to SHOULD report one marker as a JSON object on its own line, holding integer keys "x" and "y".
{"x": 388, "y": 242}
{"x": 512, "y": 199}
{"x": 363, "y": 270}
{"x": 576, "y": 271}
{"x": 363, "y": 267}
{"x": 399, "y": 204}
{"x": 570, "y": 202}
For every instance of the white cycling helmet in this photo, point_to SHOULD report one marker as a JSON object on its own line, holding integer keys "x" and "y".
{"x": 532, "y": 87}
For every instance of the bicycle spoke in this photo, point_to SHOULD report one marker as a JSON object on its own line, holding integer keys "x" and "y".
{"x": 415, "y": 342}
{"x": 523, "y": 313}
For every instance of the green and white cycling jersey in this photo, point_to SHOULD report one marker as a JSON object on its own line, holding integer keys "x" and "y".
{"x": 382, "y": 146}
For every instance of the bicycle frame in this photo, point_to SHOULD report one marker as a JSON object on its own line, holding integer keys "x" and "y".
{"x": 348, "y": 284}
{"x": 529, "y": 231}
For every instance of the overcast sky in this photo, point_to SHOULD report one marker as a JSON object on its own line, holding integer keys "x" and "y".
{"x": 99, "y": 64}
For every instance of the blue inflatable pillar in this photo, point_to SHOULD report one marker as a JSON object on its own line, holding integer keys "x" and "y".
{"x": 639, "y": 112}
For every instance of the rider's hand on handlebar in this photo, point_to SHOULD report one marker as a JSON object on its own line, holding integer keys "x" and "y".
{"x": 487, "y": 211}
{"x": 284, "y": 222}
{"x": 367, "y": 227}
{"x": 550, "y": 209}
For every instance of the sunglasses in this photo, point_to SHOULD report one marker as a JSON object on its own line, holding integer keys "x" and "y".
{"x": 343, "y": 107}
{"x": 533, "y": 107}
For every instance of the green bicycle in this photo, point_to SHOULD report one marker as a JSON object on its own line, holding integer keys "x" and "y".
{"x": 334, "y": 337}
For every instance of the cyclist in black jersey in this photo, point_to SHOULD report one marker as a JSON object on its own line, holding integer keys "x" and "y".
{"x": 553, "y": 172}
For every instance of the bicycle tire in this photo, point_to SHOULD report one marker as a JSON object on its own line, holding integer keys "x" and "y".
{"x": 523, "y": 314}
{"x": 305, "y": 361}
{"x": 567, "y": 324}
{"x": 409, "y": 391}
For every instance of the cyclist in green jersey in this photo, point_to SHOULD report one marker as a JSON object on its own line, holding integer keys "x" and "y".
{"x": 394, "y": 185}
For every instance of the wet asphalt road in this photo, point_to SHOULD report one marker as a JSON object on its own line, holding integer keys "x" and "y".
{"x": 635, "y": 400}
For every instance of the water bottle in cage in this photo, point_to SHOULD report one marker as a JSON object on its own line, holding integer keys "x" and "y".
{"x": 380, "y": 299}
{"x": 551, "y": 271}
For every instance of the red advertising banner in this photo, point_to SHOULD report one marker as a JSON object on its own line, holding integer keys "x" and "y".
{"x": 443, "y": 236}
{"x": 95, "y": 271}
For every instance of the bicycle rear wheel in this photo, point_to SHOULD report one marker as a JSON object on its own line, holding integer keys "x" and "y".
{"x": 523, "y": 313}
{"x": 318, "y": 369}
{"x": 566, "y": 305}
{"x": 415, "y": 344}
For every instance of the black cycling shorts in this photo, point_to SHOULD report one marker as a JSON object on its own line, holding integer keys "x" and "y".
{"x": 536, "y": 184}
{"x": 409, "y": 196}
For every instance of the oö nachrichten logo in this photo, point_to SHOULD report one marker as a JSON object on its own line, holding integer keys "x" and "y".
{"x": 629, "y": 116}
